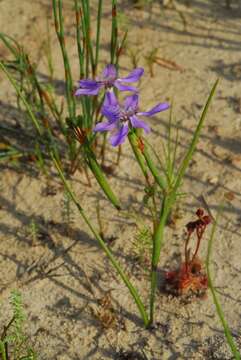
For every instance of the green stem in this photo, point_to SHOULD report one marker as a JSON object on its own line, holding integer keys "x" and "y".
{"x": 219, "y": 310}
{"x": 97, "y": 46}
{"x": 2, "y": 350}
{"x": 158, "y": 238}
{"x": 105, "y": 248}
{"x": 195, "y": 139}
{"x": 59, "y": 28}
{"x": 133, "y": 139}
{"x": 168, "y": 202}
{"x": 31, "y": 114}
{"x": 155, "y": 172}
{"x": 114, "y": 33}
{"x": 78, "y": 38}
{"x": 100, "y": 177}
{"x": 121, "y": 48}
{"x": 87, "y": 36}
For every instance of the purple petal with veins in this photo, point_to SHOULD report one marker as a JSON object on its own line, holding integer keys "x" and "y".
{"x": 109, "y": 72}
{"x": 110, "y": 99}
{"x": 122, "y": 87}
{"x": 133, "y": 76}
{"x": 156, "y": 109}
{"x": 111, "y": 109}
{"x": 111, "y": 113}
{"x": 104, "y": 126}
{"x": 88, "y": 87}
{"x": 131, "y": 103}
{"x": 119, "y": 135}
{"x": 137, "y": 123}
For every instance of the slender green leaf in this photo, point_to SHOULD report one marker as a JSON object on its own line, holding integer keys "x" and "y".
{"x": 217, "y": 304}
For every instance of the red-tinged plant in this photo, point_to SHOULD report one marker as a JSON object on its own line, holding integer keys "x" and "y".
{"x": 190, "y": 279}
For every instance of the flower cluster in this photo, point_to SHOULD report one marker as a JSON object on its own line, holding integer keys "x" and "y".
{"x": 120, "y": 117}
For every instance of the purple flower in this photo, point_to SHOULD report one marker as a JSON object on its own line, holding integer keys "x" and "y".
{"x": 122, "y": 119}
{"x": 108, "y": 80}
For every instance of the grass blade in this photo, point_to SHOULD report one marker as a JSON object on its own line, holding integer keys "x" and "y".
{"x": 219, "y": 310}
{"x": 28, "y": 108}
{"x": 97, "y": 46}
{"x": 104, "y": 247}
{"x": 195, "y": 139}
{"x": 114, "y": 33}
{"x": 100, "y": 177}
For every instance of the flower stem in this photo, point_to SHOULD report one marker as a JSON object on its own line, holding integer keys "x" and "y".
{"x": 97, "y": 47}
{"x": 227, "y": 332}
{"x": 104, "y": 247}
{"x": 100, "y": 177}
{"x": 28, "y": 107}
{"x": 160, "y": 181}
{"x": 158, "y": 238}
{"x": 114, "y": 33}
{"x": 133, "y": 139}
{"x": 59, "y": 28}
{"x": 168, "y": 201}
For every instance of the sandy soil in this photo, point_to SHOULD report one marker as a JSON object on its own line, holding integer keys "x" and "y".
{"x": 61, "y": 272}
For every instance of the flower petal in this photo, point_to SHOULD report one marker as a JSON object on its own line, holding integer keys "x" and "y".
{"x": 122, "y": 87}
{"x": 88, "y": 87}
{"x": 133, "y": 76}
{"x": 109, "y": 72}
{"x": 104, "y": 126}
{"x": 111, "y": 108}
{"x": 137, "y": 123}
{"x": 156, "y": 109}
{"x": 131, "y": 103}
{"x": 110, "y": 99}
{"x": 112, "y": 114}
{"x": 119, "y": 135}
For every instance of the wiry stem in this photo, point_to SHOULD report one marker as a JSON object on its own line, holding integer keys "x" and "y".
{"x": 168, "y": 201}
{"x": 105, "y": 248}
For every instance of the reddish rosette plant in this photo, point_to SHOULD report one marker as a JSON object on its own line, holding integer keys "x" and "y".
{"x": 190, "y": 278}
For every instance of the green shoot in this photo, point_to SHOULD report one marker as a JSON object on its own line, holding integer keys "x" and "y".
{"x": 227, "y": 332}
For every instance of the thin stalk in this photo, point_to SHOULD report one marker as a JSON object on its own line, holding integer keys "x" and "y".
{"x": 133, "y": 139}
{"x": 168, "y": 201}
{"x": 169, "y": 150}
{"x": 156, "y": 156}
{"x": 114, "y": 33}
{"x": 157, "y": 242}
{"x": 195, "y": 139}
{"x": 175, "y": 153}
{"x": 219, "y": 310}
{"x": 28, "y": 108}
{"x": 81, "y": 54}
{"x": 89, "y": 38}
{"x": 59, "y": 28}
{"x": 78, "y": 12}
{"x": 2, "y": 350}
{"x": 5, "y": 39}
{"x": 88, "y": 57}
{"x": 87, "y": 35}
{"x": 121, "y": 47}
{"x": 100, "y": 177}
{"x": 103, "y": 149}
{"x": 104, "y": 247}
{"x": 97, "y": 46}
{"x": 32, "y": 116}
{"x": 155, "y": 172}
